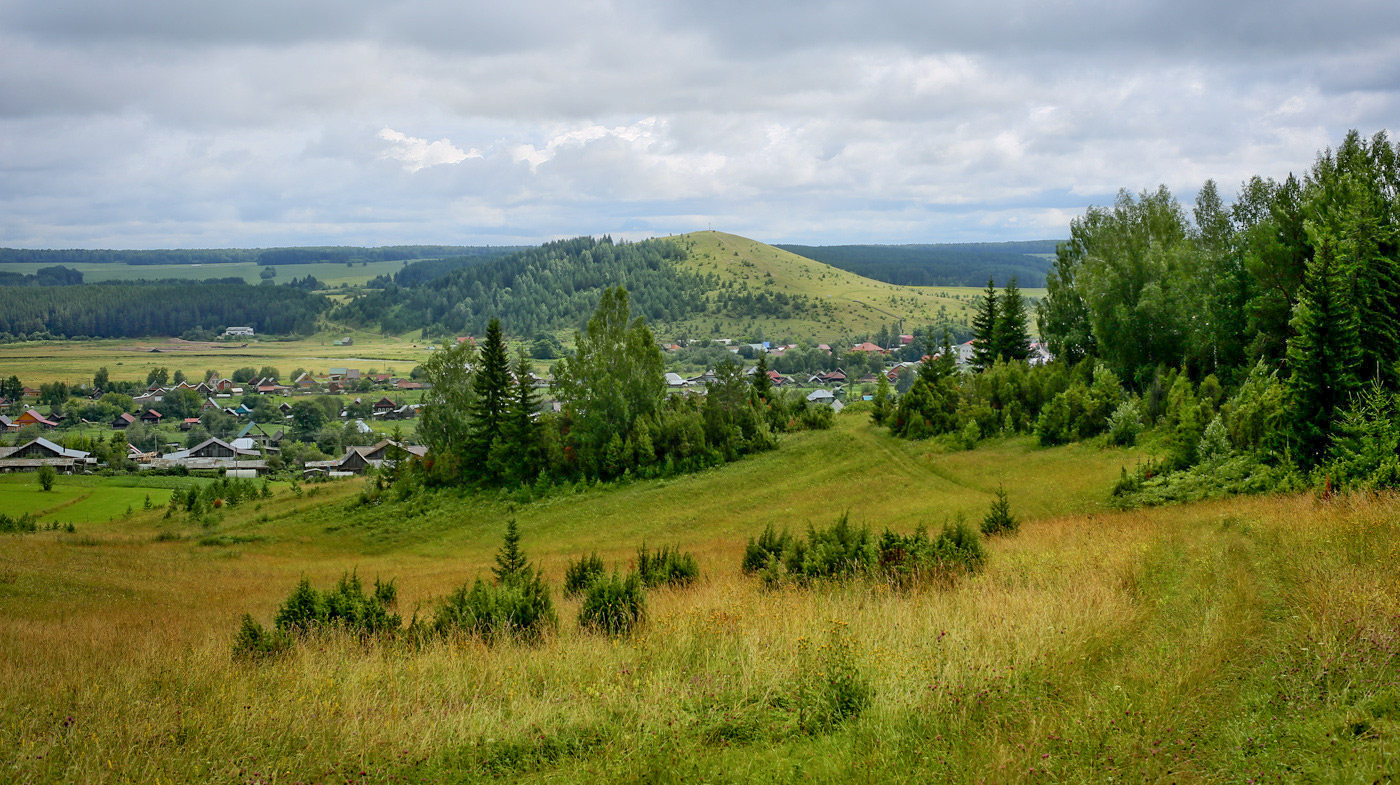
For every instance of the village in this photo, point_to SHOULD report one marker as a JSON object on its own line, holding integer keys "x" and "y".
{"x": 311, "y": 427}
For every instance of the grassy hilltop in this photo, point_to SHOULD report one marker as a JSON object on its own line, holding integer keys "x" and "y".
{"x": 852, "y": 304}
{"x": 1190, "y": 644}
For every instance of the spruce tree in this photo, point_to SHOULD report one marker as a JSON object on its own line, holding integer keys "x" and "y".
{"x": 1010, "y": 338}
{"x": 517, "y": 452}
{"x": 762, "y": 384}
{"x": 1324, "y": 353}
{"x": 510, "y": 560}
{"x": 492, "y": 385}
{"x": 984, "y": 326}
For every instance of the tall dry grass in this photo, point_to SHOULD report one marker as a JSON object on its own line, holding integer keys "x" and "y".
{"x": 1206, "y": 643}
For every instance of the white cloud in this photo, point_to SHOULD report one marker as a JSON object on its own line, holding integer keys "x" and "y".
{"x": 417, "y": 153}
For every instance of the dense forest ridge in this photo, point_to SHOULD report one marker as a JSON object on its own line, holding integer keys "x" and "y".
{"x": 939, "y": 264}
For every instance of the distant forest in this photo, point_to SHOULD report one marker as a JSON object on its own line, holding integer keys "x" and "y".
{"x": 130, "y": 310}
{"x": 422, "y": 271}
{"x": 948, "y": 264}
{"x": 555, "y": 285}
{"x": 264, "y": 256}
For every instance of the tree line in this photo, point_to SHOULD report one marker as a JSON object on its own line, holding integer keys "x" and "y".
{"x": 129, "y": 310}
{"x": 482, "y": 424}
{"x": 266, "y": 256}
{"x": 1260, "y": 340}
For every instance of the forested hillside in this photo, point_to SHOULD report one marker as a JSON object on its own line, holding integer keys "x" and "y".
{"x": 554, "y": 286}
{"x": 947, "y": 264}
{"x": 425, "y": 270}
{"x": 134, "y": 310}
{"x": 267, "y": 256}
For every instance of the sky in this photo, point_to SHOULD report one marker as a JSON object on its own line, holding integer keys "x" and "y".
{"x": 170, "y": 123}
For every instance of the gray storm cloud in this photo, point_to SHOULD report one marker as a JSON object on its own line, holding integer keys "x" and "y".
{"x": 159, "y": 124}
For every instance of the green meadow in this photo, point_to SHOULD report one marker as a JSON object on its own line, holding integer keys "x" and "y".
{"x": 1249, "y": 639}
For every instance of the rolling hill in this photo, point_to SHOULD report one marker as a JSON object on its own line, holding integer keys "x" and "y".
{"x": 848, "y": 304}
{"x": 703, "y": 284}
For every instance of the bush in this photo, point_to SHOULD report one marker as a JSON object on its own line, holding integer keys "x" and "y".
{"x": 816, "y": 418}
{"x": 667, "y": 566}
{"x": 916, "y": 558}
{"x": 520, "y": 608}
{"x": 255, "y": 642}
{"x": 968, "y": 435}
{"x": 47, "y": 476}
{"x": 1125, "y": 424}
{"x": 999, "y": 519}
{"x": 24, "y": 523}
{"x": 346, "y": 607}
{"x": 841, "y": 549}
{"x": 579, "y": 575}
{"x": 614, "y": 605}
{"x": 769, "y": 546}
{"x": 1365, "y": 449}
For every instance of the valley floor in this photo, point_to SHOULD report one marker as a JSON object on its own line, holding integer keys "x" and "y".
{"x": 1251, "y": 639}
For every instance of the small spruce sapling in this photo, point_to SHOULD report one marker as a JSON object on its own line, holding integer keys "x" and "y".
{"x": 999, "y": 519}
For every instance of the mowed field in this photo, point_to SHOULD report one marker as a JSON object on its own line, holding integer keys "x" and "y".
{"x": 329, "y": 273}
{"x": 855, "y": 305}
{"x": 1233, "y": 641}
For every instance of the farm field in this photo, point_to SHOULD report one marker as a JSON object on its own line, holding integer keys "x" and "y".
{"x": 329, "y": 273}
{"x": 1184, "y": 644}
{"x": 132, "y": 359}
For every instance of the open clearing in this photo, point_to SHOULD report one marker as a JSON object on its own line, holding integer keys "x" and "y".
{"x": 1218, "y": 642}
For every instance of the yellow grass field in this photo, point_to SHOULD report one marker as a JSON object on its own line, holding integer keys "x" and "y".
{"x": 1247, "y": 639}
{"x": 131, "y": 359}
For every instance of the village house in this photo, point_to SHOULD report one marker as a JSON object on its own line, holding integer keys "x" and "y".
{"x": 151, "y": 417}
{"x": 238, "y": 332}
{"x": 217, "y": 455}
{"x": 32, "y": 417}
{"x": 40, "y": 452}
{"x": 821, "y": 396}
{"x": 357, "y": 460}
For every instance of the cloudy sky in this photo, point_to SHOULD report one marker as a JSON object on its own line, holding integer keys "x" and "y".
{"x": 170, "y": 123}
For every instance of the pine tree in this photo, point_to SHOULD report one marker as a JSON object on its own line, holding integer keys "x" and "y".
{"x": 984, "y": 328}
{"x": 1010, "y": 338}
{"x": 510, "y": 561}
{"x": 1324, "y": 353}
{"x": 492, "y": 384}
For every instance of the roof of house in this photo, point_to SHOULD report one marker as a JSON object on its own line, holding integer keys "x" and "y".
{"x": 35, "y": 416}
{"x": 59, "y": 451}
{"x": 820, "y": 395}
{"x": 238, "y": 452}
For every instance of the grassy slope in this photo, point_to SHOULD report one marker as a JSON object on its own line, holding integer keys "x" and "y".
{"x": 1242, "y": 639}
{"x": 857, "y": 305}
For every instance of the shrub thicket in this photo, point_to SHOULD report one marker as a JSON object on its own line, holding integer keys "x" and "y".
{"x": 666, "y": 566}
{"x": 520, "y": 608}
{"x": 581, "y": 574}
{"x": 843, "y": 550}
{"x": 613, "y": 605}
